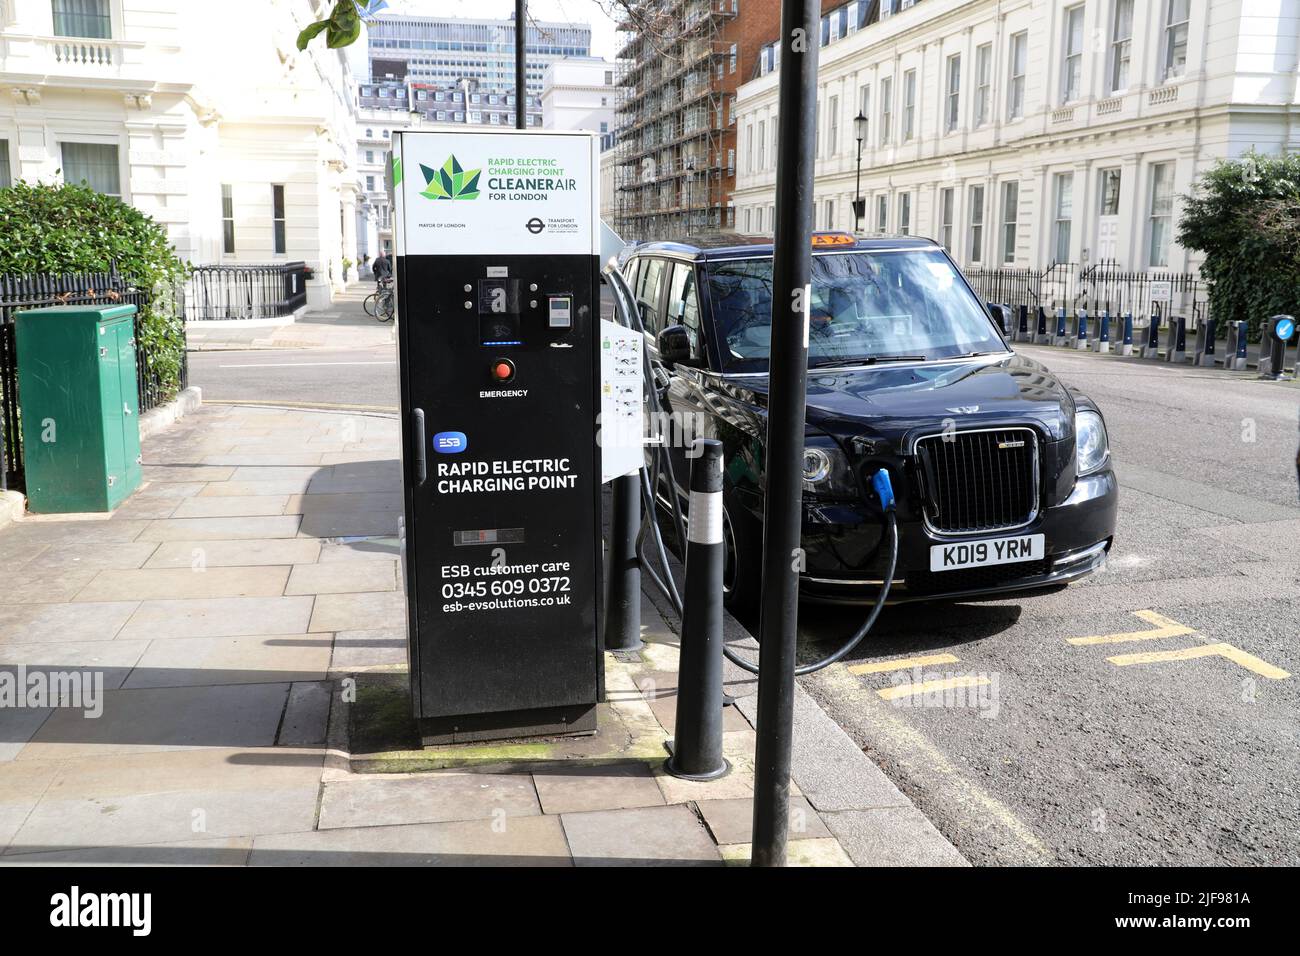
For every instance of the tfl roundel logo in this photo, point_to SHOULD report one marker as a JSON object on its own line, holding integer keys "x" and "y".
{"x": 450, "y": 443}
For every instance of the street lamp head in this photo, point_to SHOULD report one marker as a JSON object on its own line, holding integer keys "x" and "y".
{"x": 860, "y": 126}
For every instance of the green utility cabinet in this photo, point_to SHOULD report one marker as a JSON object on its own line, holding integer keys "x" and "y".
{"x": 80, "y": 408}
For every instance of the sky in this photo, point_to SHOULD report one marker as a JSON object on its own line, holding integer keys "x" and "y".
{"x": 577, "y": 11}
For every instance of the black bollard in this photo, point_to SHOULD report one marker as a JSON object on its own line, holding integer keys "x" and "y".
{"x": 696, "y": 748}
{"x": 623, "y": 574}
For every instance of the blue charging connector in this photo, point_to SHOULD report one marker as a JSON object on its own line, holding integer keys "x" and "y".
{"x": 884, "y": 489}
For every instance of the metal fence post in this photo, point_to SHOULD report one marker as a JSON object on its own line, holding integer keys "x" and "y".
{"x": 1081, "y": 329}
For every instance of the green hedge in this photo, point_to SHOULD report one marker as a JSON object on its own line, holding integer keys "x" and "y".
{"x": 1244, "y": 215}
{"x": 72, "y": 229}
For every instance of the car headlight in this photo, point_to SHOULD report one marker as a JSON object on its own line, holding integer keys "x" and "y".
{"x": 1092, "y": 448}
{"x": 816, "y": 465}
{"x": 826, "y": 469}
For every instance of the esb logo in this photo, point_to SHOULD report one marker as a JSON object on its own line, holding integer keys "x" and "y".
{"x": 450, "y": 443}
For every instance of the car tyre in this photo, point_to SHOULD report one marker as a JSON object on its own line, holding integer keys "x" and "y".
{"x": 742, "y": 573}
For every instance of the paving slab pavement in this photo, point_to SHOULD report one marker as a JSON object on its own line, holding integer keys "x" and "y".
{"x": 341, "y": 324}
{"x": 216, "y": 631}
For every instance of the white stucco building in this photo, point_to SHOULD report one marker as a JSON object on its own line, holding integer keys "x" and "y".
{"x": 203, "y": 115}
{"x": 579, "y": 93}
{"x": 1027, "y": 132}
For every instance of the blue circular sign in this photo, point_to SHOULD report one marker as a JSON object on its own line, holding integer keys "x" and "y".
{"x": 1284, "y": 329}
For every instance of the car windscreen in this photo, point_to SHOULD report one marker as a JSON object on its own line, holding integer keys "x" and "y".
{"x": 865, "y": 305}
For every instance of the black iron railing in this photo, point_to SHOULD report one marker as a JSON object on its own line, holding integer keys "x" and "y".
{"x": 1108, "y": 286}
{"x": 1051, "y": 288}
{"x": 1103, "y": 285}
{"x": 156, "y": 381}
{"x": 247, "y": 291}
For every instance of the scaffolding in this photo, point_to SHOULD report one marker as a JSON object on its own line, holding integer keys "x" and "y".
{"x": 672, "y": 161}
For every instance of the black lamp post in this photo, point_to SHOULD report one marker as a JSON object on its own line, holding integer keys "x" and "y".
{"x": 690, "y": 181}
{"x": 859, "y": 204}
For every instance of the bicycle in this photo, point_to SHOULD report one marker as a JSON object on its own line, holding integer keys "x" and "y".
{"x": 379, "y": 304}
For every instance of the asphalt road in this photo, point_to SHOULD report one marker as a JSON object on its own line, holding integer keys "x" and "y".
{"x": 323, "y": 377}
{"x": 1055, "y": 753}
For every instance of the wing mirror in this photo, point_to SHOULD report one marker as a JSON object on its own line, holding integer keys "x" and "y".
{"x": 1002, "y": 316}
{"x": 674, "y": 344}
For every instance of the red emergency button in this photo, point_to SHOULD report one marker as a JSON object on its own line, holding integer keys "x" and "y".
{"x": 503, "y": 370}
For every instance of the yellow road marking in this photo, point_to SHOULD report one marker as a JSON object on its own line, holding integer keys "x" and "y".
{"x": 902, "y": 664}
{"x": 1234, "y": 654}
{"x": 926, "y": 686}
{"x": 1164, "y": 627}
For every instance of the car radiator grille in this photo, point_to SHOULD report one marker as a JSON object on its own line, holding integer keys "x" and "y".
{"x": 977, "y": 482}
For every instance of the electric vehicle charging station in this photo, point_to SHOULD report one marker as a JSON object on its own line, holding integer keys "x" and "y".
{"x": 499, "y": 354}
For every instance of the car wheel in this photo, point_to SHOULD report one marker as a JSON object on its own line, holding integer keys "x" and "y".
{"x": 742, "y": 570}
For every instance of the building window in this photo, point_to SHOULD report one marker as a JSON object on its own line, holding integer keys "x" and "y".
{"x": 864, "y": 107}
{"x": 909, "y": 105}
{"x": 954, "y": 92}
{"x": 1176, "y": 37}
{"x": 749, "y": 219}
{"x": 370, "y": 184}
{"x": 370, "y": 156}
{"x": 830, "y": 214}
{"x": 1072, "y": 83}
{"x": 6, "y": 178}
{"x": 83, "y": 18}
{"x": 833, "y": 126}
{"x": 886, "y": 108}
{"x": 983, "y": 84}
{"x": 94, "y": 164}
{"x": 762, "y": 144}
{"x": 1010, "y": 218}
{"x": 277, "y": 219}
{"x": 1064, "y": 215}
{"x": 1016, "y": 79}
{"x": 905, "y": 214}
{"x": 977, "y": 224}
{"x": 749, "y": 148}
{"x": 882, "y": 213}
{"x": 1110, "y": 181}
{"x": 945, "y": 218}
{"x": 228, "y": 220}
{"x": 731, "y": 59}
{"x": 1162, "y": 213}
{"x": 1121, "y": 45}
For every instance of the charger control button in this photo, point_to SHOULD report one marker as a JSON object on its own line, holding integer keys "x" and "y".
{"x": 503, "y": 370}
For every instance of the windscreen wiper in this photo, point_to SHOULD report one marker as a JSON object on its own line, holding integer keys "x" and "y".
{"x": 869, "y": 360}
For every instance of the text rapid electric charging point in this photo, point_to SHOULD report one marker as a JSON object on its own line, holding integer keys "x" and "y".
{"x": 498, "y": 342}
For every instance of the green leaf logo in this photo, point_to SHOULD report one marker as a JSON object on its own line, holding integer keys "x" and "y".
{"x": 451, "y": 181}
{"x": 397, "y": 171}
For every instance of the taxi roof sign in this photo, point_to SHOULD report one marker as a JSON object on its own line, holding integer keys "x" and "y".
{"x": 832, "y": 239}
